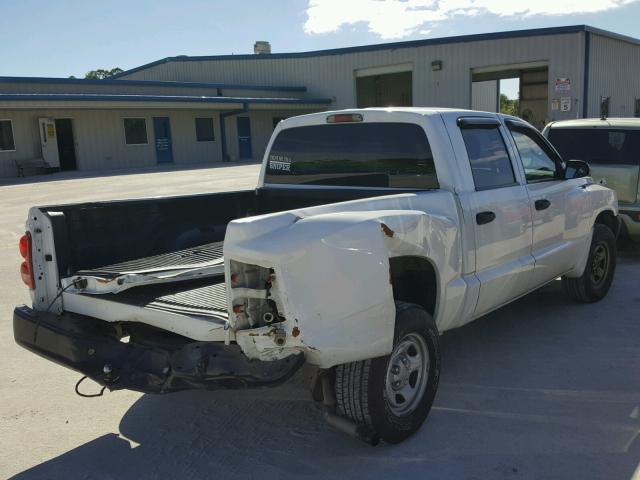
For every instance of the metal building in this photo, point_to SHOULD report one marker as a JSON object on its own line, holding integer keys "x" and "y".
{"x": 214, "y": 108}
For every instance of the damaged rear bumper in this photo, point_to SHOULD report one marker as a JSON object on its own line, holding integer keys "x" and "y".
{"x": 93, "y": 348}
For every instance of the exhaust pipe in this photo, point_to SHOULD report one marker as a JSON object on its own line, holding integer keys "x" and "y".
{"x": 343, "y": 424}
{"x": 361, "y": 432}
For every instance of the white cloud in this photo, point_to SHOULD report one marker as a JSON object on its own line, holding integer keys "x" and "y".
{"x": 399, "y": 18}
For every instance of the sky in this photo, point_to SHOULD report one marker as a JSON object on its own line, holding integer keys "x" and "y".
{"x": 70, "y": 37}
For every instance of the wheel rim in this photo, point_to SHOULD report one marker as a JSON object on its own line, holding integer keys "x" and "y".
{"x": 407, "y": 374}
{"x": 599, "y": 264}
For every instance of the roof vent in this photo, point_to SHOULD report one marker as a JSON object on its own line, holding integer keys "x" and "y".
{"x": 261, "y": 47}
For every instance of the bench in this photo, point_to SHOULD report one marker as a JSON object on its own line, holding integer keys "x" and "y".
{"x": 33, "y": 166}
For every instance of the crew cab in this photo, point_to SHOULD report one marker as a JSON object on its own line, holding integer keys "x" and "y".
{"x": 371, "y": 232}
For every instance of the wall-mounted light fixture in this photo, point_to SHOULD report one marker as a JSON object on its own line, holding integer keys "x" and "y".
{"x": 436, "y": 65}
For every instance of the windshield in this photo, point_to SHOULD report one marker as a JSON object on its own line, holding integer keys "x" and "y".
{"x": 395, "y": 155}
{"x": 597, "y": 145}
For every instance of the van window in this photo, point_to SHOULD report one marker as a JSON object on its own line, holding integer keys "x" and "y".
{"x": 490, "y": 163}
{"x": 395, "y": 155}
{"x": 597, "y": 145}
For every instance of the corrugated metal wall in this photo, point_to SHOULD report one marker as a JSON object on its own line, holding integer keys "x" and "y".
{"x": 484, "y": 96}
{"x": 333, "y": 75}
{"x": 614, "y": 72}
{"x": 110, "y": 88}
{"x": 99, "y": 137}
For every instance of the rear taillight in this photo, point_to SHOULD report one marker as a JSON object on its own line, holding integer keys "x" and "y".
{"x": 26, "y": 268}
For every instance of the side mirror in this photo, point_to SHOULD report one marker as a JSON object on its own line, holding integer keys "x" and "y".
{"x": 576, "y": 169}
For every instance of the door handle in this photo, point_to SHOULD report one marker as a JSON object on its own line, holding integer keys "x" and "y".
{"x": 542, "y": 204}
{"x": 483, "y": 218}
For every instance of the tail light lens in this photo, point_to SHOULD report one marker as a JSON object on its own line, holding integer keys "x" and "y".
{"x": 26, "y": 268}
{"x": 344, "y": 118}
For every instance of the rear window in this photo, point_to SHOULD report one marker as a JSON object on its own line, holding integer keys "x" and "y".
{"x": 395, "y": 155}
{"x": 597, "y": 145}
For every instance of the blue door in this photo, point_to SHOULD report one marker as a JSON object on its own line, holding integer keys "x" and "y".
{"x": 244, "y": 137}
{"x": 162, "y": 129}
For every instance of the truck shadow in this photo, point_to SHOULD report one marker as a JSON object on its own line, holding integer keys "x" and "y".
{"x": 540, "y": 389}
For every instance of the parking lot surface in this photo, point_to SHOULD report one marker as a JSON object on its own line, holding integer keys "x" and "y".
{"x": 543, "y": 388}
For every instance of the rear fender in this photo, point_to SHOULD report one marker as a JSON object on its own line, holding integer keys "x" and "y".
{"x": 333, "y": 274}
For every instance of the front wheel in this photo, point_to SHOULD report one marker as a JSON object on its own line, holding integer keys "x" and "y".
{"x": 393, "y": 394}
{"x": 596, "y": 280}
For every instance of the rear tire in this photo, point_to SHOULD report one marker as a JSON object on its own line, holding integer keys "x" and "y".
{"x": 597, "y": 277}
{"x": 393, "y": 395}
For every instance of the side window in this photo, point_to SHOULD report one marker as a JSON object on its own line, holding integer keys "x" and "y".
{"x": 538, "y": 162}
{"x": 7, "y": 142}
{"x": 135, "y": 131}
{"x": 204, "y": 130}
{"x": 490, "y": 163}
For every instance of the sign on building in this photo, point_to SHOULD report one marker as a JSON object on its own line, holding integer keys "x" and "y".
{"x": 565, "y": 104}
{"x": 563, "y": 85}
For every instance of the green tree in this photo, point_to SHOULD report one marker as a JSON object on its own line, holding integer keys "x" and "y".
{"x": 101, "y": 73}
{"x": 509, "y": 106}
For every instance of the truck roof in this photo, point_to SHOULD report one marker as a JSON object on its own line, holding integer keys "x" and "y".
{"x": 630, "y": 123}
{"x": 417, "y": 110}
{"x": 402, "y": 111}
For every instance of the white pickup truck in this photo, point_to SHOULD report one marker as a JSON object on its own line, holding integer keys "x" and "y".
{"x": 371, "y": 232}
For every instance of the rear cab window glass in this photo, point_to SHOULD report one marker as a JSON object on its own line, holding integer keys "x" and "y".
{"x": 490, "y": 163}
{"x": 380, "y": 154}
{"x": 597, "y": 145}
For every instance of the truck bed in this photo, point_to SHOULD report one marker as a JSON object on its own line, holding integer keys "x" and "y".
{"x": 152, "y": 260}
{"x": 193, "y": 257}
{"x": 202, "y": 298}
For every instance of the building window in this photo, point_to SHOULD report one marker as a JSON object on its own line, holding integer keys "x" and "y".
{"x": 7, "y": 143}
{"x": 490, "y": 163}
{"x": 135, "y": 131}
{"x": 204, "y": 130}
{"x": 385, "y": 90}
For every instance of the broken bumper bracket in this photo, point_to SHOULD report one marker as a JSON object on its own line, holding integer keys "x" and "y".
{"x": 87, "y": 345}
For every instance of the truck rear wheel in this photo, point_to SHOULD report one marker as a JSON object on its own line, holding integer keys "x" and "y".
{"x": 594, "y": 283}
{"x": 393, "y": 394}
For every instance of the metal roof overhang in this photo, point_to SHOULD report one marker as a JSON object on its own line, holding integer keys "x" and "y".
{"x": 150, "y": 83}
{"x": 533, "y": 32}
{"x": 102, "y": 102}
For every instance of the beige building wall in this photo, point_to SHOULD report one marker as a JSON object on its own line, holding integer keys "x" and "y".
{"x": 614, "y": 72}
{"x": 333, "y": 75}
{"x": 100, "y": 142}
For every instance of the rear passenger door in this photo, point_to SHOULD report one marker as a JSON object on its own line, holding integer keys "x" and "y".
{"x": 500, "y": 212}
{"x": 557, "y": 205}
